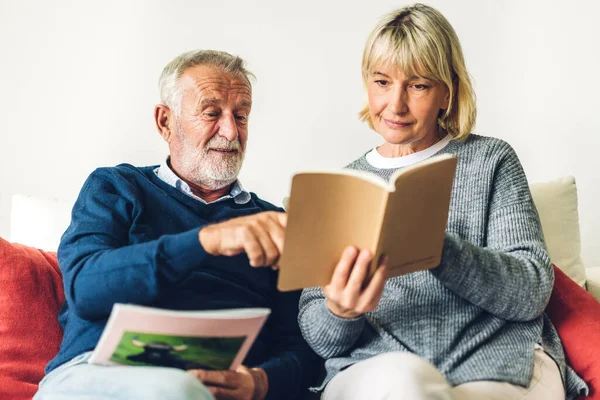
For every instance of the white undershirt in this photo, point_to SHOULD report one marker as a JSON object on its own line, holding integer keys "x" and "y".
{"x": 378, "y": 161}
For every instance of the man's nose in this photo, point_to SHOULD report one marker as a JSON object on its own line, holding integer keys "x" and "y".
{"x": 228, "y": 127}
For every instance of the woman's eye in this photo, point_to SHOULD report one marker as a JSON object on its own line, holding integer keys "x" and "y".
{"x": 420, "y": 86}
{"x": 381, "y": 82}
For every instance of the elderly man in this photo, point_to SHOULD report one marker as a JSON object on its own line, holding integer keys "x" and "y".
{"x": 183, "y": 235}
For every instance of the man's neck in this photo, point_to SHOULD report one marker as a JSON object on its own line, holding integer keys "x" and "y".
{"x": 207, "y": 194}
{"x": 204, "y": 192}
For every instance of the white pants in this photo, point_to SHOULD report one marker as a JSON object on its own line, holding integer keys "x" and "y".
{"x": 78, "y": 380}
{"x": 399, "y": 375}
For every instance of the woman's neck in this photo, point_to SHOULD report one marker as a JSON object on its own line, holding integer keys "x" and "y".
{"x": 390, "y": 150}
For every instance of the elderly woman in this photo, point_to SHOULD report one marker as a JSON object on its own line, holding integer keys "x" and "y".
{"x": 474, "y": 327}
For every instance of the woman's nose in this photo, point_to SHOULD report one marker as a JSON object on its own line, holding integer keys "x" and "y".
{"x": 397, "y": 103}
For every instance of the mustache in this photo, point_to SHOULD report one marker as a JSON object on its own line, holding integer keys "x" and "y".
{"x": 220, "y": 142}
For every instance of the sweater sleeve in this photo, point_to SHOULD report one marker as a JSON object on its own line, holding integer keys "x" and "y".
{"x": 292, "y": 366}
{"x": 511, "y": 277}
{"x": 327, "y": 334}
{"x": 97, "y": 261}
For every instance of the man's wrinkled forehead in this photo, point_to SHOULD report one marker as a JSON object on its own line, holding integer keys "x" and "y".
{"x": 211, "y": 81}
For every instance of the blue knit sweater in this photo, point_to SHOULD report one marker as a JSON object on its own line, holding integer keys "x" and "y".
{"x": 134, "y": 239}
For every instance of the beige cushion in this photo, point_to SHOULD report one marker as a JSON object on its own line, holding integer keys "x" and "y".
{"x": 556, "y": 202}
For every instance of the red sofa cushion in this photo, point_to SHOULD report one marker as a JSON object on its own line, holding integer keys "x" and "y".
{"x": 31, "y": 294}
{"x": 576, "y": 315}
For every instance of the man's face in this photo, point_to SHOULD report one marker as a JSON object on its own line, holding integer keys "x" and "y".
{"x": 211, "y": 132}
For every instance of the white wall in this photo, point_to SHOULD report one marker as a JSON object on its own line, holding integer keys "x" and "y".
{"x": 78, "y": 83}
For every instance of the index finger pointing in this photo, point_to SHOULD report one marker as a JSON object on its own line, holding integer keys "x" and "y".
{"x": 281, "y": 217}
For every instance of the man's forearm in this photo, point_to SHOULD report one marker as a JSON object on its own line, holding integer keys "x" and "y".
{"x": 291, "y": 372}
{"x": 96, "y": 273}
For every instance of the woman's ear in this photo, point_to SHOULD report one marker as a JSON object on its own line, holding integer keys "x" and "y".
{"x": 162, "y": 119}
{"x": 446, "y": 102}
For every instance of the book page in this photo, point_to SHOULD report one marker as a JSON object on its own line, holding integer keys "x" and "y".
{"x": 416, "y": 216}
{"x": 327, "y": 213}
{"x": 362, "y": 175}
{"x": 214, "y": 340}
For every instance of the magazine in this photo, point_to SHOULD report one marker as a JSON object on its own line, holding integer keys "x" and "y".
{"x": 146, "y": 336}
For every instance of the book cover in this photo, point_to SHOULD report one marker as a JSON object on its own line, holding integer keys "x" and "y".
{"x": 146, "y": 336}
{"x": 404, "y": 219}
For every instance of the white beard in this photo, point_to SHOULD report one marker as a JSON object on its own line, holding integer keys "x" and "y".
{"x": 206, "y": 167}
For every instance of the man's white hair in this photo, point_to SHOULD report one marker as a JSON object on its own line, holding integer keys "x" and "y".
{"x": 168, "y": 84}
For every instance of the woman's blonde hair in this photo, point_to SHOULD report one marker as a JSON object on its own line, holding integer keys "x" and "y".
{"x": 420, "y": 41}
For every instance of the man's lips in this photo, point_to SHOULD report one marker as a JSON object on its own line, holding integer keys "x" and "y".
{"x": 225, "y": 150}
{"x": 396, "y": 124}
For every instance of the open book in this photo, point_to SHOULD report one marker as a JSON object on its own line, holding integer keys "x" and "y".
{"x": 404, "y": 220}
{"x": 214, "y": 340}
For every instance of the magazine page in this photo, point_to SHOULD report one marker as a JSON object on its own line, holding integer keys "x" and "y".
{"x": 146, "y": 336}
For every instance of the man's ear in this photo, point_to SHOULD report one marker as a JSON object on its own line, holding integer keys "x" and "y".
{"x": 162, "y": 119}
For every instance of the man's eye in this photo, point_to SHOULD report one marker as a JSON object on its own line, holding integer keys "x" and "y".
{"x": 382, "y": 82}
{"x": 211, "y": 114}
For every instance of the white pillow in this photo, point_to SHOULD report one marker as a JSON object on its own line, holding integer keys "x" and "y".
{"x": 39, "y": 221}
{"x": 556, "y": 202}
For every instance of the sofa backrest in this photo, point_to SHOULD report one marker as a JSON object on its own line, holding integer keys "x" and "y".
{"x": 40, "y": 222}
{"x": 556, "y": 202}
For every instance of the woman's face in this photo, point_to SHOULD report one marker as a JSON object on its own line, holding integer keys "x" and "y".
{"x": 404, "y": 109}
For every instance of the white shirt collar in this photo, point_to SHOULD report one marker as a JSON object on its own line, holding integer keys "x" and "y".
{"x": 166, "y": 174}
{"x": 378, "y": 161}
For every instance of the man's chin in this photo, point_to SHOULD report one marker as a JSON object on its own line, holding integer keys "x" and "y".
{"x": 215, "y": 180}
{"x": 216, "y": 184}
{"x": 215, "y": 171}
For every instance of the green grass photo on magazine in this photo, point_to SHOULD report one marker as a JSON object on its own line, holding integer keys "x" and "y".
{"x": 183, "y": 352}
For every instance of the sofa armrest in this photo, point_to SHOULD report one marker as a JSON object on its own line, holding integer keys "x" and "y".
{"x": 593, "y": 281}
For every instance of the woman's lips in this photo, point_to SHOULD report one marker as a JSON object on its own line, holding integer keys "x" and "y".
{"x": 396, "y": 124}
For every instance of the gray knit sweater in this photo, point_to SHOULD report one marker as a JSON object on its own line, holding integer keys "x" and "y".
{"x": 479, "y": 314}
